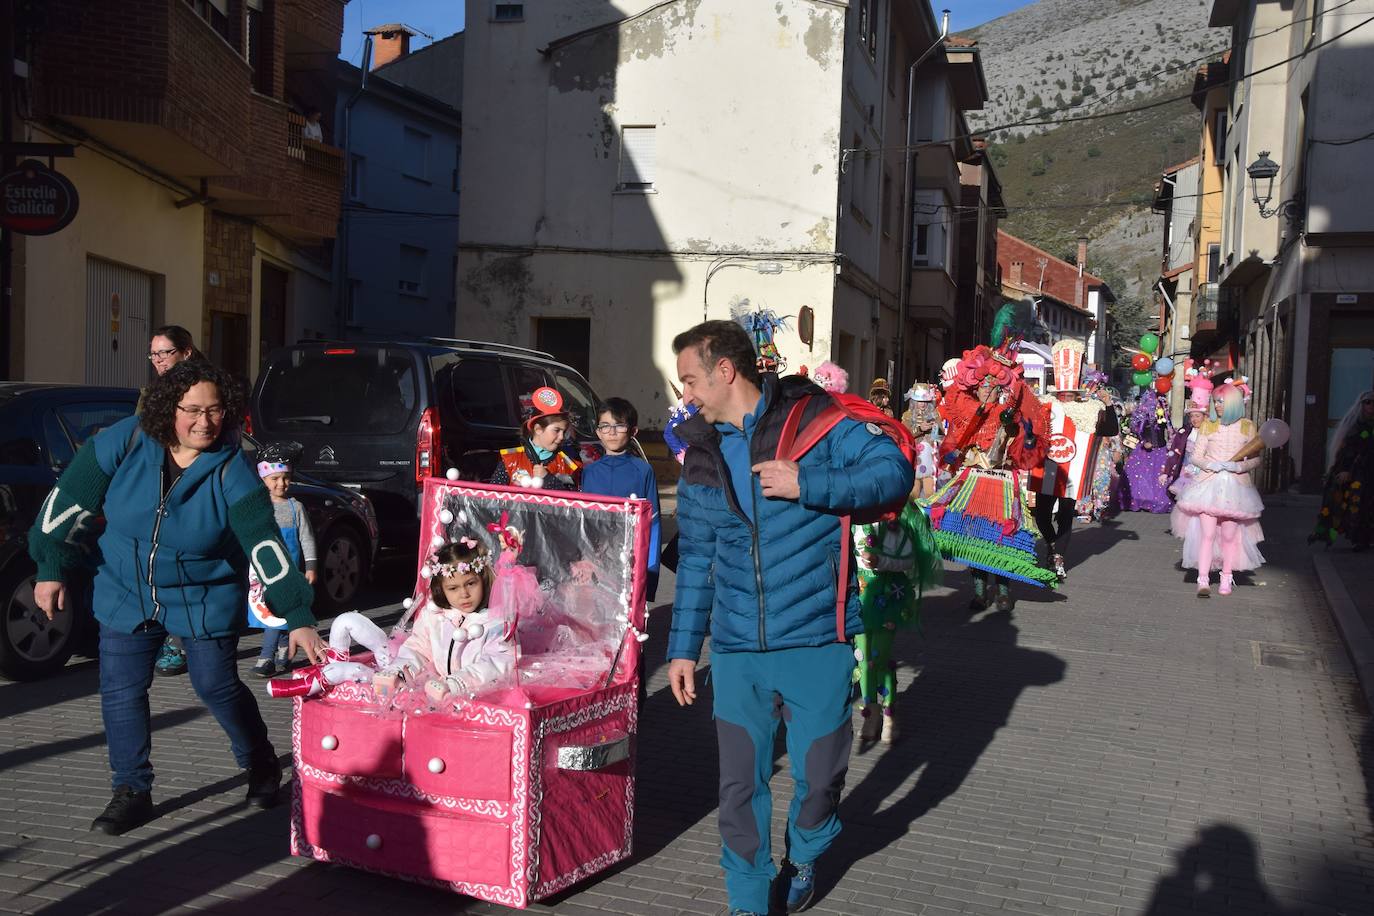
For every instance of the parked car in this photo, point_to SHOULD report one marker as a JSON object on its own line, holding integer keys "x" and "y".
{"x": 381, "y": 416}
{"x": 41, "y": 428}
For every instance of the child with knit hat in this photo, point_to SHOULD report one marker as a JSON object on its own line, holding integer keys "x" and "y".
{"x": 275, "y": 470}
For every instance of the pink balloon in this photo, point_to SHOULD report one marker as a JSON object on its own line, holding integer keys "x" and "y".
{"x": 1274, "y": 433}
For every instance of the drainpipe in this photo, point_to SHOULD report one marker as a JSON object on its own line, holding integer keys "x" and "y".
{"x": 345, "y": 286}
{"x": 909, "y": 205}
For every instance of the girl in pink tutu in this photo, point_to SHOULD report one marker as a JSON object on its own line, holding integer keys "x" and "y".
{"x": 1218, "y": 512}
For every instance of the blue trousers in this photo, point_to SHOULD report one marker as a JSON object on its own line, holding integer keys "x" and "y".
{"x": 809, "y": 689}
{"x": 126, "y": 673}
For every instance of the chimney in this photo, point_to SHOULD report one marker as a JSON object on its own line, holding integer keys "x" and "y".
{"x": 1080, "y": 288}
{"x": 1016, "y": 272}
{"x": 389, "y": 43}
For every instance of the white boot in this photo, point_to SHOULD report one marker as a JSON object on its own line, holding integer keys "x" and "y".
{"x": 889, "y": 727}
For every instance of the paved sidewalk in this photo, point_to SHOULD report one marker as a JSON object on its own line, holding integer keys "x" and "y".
{"x": 1117, "y": 748}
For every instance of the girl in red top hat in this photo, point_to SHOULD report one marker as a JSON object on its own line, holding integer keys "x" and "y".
{"x": 539, "y": 460}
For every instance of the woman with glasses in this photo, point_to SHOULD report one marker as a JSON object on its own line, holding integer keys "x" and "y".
{"x": 170, "y": 344}
{"x": 185, "y": 516}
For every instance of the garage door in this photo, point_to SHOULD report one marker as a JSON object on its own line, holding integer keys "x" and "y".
{"x": 119, "y": 305}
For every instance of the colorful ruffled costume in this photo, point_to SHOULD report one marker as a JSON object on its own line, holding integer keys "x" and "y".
{"x": 997, "y": 433}
{"x": 1218, "y": 513}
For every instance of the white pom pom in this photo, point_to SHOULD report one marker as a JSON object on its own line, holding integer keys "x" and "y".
{"x": 536, "y": 483}
{"x": 642, "y": 637}
{"x": 426, "y": 572}
{"x": 445, "y": 517}
{"x": 329, "y": 742}
{"x": 407, "y": 603}
{"x": 437, "y": 541}
{"x": 474, "y": 630}
{"x": 436, "y": 765}
{"x": 374, "y": 841}
{"x": 451, "y": 473}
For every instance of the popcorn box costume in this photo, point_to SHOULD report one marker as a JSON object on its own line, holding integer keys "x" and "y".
{"x": 526, "y": 786}
{"x": 1071, "y": 454}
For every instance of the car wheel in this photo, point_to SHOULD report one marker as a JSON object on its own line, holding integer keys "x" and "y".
{"x": 342, "y": 564}
{"x": 31, "y": 646}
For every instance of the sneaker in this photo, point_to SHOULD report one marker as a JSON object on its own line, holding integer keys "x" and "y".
{"x": 171, "y": 661}
{"x": 282, "y": 658}
{"x": 1005, "y": 602}
{"x": 1227, "y": 582}
{"x": 128, "y": 808}
{"x": 264, "y": 667}
{"x": 1204, "y": 587}
{"x": 264, "y": 780}
{"x": 1059, "y": 569}
{"x": 801, "y": 885}
{"x": 872, "y": 716}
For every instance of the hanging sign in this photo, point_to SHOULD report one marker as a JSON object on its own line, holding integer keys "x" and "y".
{"x": 35, "y": 200}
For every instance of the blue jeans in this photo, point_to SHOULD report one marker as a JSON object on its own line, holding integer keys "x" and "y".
{"x": 126, "y": 673}
{"x": 271, "y": 640}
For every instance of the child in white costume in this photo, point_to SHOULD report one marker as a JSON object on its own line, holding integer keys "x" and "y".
{"x": 455, "y": 643}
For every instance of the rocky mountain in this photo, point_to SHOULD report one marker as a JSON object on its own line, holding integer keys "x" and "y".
{"x": 1060, "y": 58}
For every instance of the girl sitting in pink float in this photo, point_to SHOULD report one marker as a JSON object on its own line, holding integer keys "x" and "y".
{"x": 458, "y": 640}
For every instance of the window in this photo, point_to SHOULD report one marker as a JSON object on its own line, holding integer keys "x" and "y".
{"x": 479, "y": 392}
{"x": 82, "y": 421}
{"x": 1219, "y": 137}
{"x": 856, "y": 190}
{"x": 931, "y": 247}
{"x": 356, "y": 173}
{"x": 257, "y": 46}
{"x": 360, "y": 389}
{"x": 864, "y": 14}
{"x": 507, "y": 12}
{"x": 411, "y": 276}
{"x": 1213, "y": 262}
{"x": 215, "y": 12}
{"x": 415, "y": 154}
{"x": 873, "y": 30}
{"x": 457, "y": 163}
{"x": 638, "y": 159}
{"x": 568, "y": 339}
{"x": 887, "y": 202}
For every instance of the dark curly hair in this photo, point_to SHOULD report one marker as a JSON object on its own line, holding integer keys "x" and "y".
{"x": 159, "y": 416}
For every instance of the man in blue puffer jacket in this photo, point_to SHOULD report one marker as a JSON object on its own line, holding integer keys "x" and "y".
{"x": 759, "y": 544}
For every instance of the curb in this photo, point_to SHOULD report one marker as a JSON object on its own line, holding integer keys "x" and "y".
{"x": 1358, "y": 641}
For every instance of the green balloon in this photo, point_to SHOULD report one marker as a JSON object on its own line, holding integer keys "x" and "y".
{"x": 1141, "y": 378}
{"x": 1149, "y": 343}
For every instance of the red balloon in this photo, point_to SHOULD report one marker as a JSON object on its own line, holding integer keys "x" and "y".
{"x": 1164, "y": 383}
{"x": 1141, "y": 362}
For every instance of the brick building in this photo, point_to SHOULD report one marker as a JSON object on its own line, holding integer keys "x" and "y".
{"x": 204, "y": 202}
{"x": 1070, "y": 302}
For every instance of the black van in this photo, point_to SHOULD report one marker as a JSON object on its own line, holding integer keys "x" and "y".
{"x": 381, "y": 416}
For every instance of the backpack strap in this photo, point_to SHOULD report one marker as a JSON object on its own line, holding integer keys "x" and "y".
{"x": 791, "y": 446}
{"x": 842, "y": 585}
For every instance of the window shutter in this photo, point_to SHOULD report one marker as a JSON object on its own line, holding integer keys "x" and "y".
{"x": 638, "y": 157}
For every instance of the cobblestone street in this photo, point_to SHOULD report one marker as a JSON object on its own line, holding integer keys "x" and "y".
{"x": 1116, "y": 748}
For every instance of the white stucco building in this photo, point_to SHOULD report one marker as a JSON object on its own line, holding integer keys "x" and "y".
{"x": 631, "y": 169}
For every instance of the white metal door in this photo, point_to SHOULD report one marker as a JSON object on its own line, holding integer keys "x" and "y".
{"x": 119, "y": 306}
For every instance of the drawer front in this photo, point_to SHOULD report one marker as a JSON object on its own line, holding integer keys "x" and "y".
{"x": 345, "y": 740}
{"x": 405, "y": 839}
{"x": 456, "y": 759}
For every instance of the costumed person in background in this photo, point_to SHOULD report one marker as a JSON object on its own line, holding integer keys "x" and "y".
{"x": 880, "y": 396}
{"x": 1095, "y": 497}
{"x": 678, "y": 414}
{"x": 897, "y": 561}
{"x": 922, "y": 418}
{"x": 539, "y": 461}
{"x": 997, "y": 433}
{"x": 1078, "y": 425}
{"x": 1150, "y": 424}
{"x": 1218, "y": 513}
{"x": 831, "y": 377}
{"x": 1349, "y": 475}
{"x": 1178, "y": 470}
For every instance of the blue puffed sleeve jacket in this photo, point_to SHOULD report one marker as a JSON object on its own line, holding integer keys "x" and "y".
{"x": 759, "y": 573}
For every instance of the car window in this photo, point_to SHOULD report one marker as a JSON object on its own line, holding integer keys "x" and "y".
{"x": 479, "y": 392}
{"x": 341, "y": 390}
{"x": 578, "y": 400}
{"x": 59, "y": 444}
{"x": 84, "y": 419}
{"x": 19, "y": 451}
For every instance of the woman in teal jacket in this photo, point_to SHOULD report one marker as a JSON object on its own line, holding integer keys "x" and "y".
{"x": 184, "y": 516}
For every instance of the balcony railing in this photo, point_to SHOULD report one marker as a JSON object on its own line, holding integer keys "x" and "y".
{"x": 316, "y": 155}
{"x": 1207, "y": 304}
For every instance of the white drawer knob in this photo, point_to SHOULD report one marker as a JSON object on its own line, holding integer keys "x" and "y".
{"x": 329, "y": 742}
{"x": 374, "y": 841}
{"x": 436, "y": 765}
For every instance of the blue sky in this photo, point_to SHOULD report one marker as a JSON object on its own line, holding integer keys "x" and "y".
{"x": 442, "y": 18}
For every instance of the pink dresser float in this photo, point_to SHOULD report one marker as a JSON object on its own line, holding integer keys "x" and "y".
{"x": 528, "y": 788}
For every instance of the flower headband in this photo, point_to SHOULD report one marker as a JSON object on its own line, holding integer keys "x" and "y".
{"x": 268, "y": 468}
{"x": 476, "y": 566}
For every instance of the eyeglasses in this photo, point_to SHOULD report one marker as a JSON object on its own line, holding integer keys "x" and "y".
{"x": 612, "y": 427}
{"x": 162, "y": 354}
{"x": 215, "y": 414}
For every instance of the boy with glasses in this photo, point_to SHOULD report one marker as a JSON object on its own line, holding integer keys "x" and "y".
{"x": 623, "y": 474}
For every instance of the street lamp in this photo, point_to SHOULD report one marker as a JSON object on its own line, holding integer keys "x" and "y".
{"x": 1262, "y": 173}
